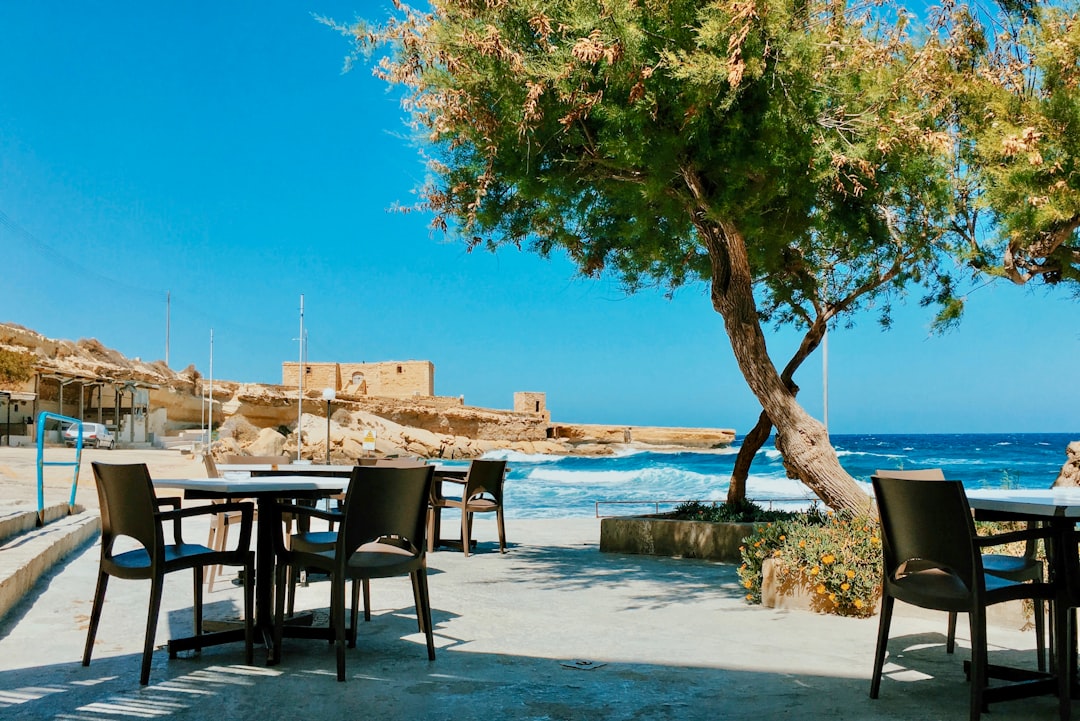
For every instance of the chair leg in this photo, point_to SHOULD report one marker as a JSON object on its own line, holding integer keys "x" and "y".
{"x": 882, "y": 642}
{"x": 197, "y": 607}
{"x": 355, "y": 617}
{"x": 1040, "y": 633}
{"x": 424, "y": 610}
{"x": 95, "y": 616}
{"x": 977, "y": 617}
{"x": 337, "y": 618}
{"x": 221, "y": 538}
{"x": 211, "y": 539}
{"x": 281, "y": 573}
{"x": 432, "y": 511}
{"x": 502, "y": 529}
{"x": 249, "y": 609}
{"x": 950, "y": 639}
{"x": 466, "y": 530}
{"x": 415, "y": 577}
{"x": 367, "y": 599}
{"x": 156, "y": 587}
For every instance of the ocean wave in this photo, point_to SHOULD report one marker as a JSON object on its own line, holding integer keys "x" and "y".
{"x": 519, "y": 457}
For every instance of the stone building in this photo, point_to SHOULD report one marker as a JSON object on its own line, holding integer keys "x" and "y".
{"x": 389, "y": 379}
{"x": 535, "y": 403}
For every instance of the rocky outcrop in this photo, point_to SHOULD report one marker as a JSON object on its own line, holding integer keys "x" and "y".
{"x": 1070, "y": 472}
{"x": 262, "y": 419}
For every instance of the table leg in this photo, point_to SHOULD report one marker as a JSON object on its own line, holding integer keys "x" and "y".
{"x": 269, "y": 524}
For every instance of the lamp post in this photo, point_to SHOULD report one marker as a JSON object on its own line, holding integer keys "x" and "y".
{"x": 329, "y": 395}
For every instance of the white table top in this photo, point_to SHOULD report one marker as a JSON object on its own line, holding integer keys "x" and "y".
{"x": 1049, "y": 503}
{"x": 238, "y": 485}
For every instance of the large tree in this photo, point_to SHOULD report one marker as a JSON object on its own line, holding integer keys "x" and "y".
{"x": 798, "y": 156}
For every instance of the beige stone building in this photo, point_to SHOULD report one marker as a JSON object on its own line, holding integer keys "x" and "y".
{"x": 389, "y": 379}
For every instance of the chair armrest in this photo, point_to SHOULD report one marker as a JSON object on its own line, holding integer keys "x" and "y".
{"x": 1000, "y": 539}
{"x": 173, "y": 502}
{"x": 298, "y": 511}
{"x": 245, "y": 508}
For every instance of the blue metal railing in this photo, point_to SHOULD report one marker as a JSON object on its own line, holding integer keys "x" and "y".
{"x": 41, "y": 462}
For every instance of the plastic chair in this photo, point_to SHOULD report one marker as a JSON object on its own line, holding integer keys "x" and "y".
{"x": 129, "y": 510}
{"x": 931, "y": 559}
{"x": 1013, "y": 568}
{"x": 381, "y": 535}
{"x": 482, "y": 493}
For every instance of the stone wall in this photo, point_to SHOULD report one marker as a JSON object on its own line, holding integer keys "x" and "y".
{"x": 530, "y": 402}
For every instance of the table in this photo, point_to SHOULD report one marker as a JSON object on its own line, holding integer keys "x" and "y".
{"x": 265, "y": 490}
{"x": 1060, "y": 511}
{"x": 266, "y": 485}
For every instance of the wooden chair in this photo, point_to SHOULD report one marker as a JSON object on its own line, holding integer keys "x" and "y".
{"x": 931, "y": 559}
{"x": 482, "y": 493}
{"x": 130, "y": 510}
{"x": 1023, "y": 568}
{"x": 381, "y": 535}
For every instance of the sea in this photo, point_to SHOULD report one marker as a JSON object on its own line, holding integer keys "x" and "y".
{"x": 635, "y": 481}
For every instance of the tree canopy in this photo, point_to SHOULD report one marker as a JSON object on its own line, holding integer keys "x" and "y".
{"x": 805, "y": 158}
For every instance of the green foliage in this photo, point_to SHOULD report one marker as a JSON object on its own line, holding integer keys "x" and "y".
{"x": 743, "y": 511}
{"x": 623, "y": 134}
{"x": 837, "y": 555}
{"x": 15, "y": 367}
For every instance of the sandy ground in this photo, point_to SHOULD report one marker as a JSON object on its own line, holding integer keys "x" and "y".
{"x": 18, "y": 471}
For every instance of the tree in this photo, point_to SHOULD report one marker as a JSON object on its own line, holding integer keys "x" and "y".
{"x": 15, "y": 367}
{"x": 791, "y": 153}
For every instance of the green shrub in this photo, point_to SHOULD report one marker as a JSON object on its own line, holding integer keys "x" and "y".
{"x": 837, "y": 555}
{"x": 742, "y": 512}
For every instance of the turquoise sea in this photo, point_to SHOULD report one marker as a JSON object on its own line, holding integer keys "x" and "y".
{"x": 540, "y": 486}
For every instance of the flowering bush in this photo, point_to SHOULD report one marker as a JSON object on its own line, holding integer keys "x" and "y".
{"x": 837, "y": 555}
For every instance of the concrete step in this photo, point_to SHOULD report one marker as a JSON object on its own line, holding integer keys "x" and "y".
{"x": 29, "y": 552}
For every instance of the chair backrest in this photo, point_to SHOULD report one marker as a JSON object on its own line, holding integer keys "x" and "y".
{"x": 919, "y": 474}
{"x": 258, "y": 460}
{"x": 400, "y": 463}
{"x": 485, "y": 477}
{"x": 927, "y": 524}
{"x": 211, "y": 467}
{"x": 128, "y": 507}
{"x": 386, "y": 502}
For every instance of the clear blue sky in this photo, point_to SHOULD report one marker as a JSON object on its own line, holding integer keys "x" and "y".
{"x": 216, "y": 151}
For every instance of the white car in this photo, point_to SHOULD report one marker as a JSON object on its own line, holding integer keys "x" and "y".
{"x": 93, "y": 434}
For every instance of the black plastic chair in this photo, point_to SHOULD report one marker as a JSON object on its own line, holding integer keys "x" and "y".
{"x": 931, "y": 559}
{"x": 1023, "y": 568}
{"x": 482, "y": 493}
{"x": 129, "y": 510}
{"x": 381, "y": 534}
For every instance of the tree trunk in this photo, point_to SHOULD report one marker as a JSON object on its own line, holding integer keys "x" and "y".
{"x": 756, "y": 438}
{"x": 803, "y": 441}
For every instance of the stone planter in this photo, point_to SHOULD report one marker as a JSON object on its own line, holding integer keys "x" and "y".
{"x": 661, "y": 535}
{"x": 791, "y": 592}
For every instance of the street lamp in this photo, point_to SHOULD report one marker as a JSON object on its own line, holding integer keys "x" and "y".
{"x": 328, "y": 395}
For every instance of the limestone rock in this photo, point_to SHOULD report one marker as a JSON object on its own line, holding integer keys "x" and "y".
{"x": 268, "y": 442}
{"x": 1070, "y": 472}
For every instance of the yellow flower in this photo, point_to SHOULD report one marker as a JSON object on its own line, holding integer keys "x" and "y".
{"x": 850, "y": 573}
{"x": 821, "y": 588}
{"x": 747, "y": 584}
{"x": 845, "y": 586}
{"x": 858, "y": 603}
{"x": 832, "y": 597}
{"x": 783, "y": 537}
{"x": 776, "y": 553}
{"x": 742, "y": 548}
{"x": 802, "y": 543}
{"x": 874, "y": 539}
{"x": 749, "y": 597}
{"x": 815, "y": 571}
{"x": 757, "y": 544}
{"x": 828, "y": 558}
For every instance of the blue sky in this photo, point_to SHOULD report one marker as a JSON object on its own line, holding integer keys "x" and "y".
{"x": 218, "y": 153}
